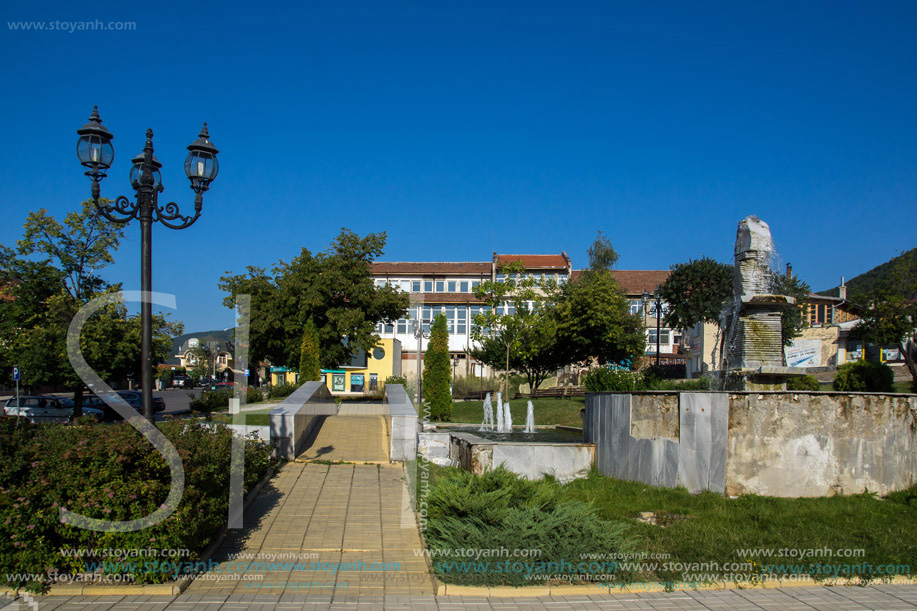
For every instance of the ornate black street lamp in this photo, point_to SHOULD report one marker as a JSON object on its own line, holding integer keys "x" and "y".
{"x": 96, "y": 154}
{"x": 657, "y": 299}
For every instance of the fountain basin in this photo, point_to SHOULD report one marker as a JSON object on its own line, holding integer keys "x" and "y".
{"x": 560, "y": 453}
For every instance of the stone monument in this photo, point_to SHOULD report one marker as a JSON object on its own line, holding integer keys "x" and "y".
{"x": 752, "y": 323}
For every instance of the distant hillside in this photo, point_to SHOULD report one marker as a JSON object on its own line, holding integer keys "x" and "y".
{"x": 867, "y": 281}
{"x": 221, "y": 335}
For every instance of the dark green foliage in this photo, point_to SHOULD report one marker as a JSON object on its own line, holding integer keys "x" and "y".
{"x": 602, "y": 255}
{"x": 211, "y": 401}
{"x": 594, "y": 322}
{"x": 696, "y": 291}
{"x": 882, "y": 275}
{"x": 334, "y": 288}
{"x": 605, "y": 379}
{"x": 501, "y": 510}
{"x": 109, "y": 472}
{"x": 792, "y": 322}
{"x": 807, "y": 382}
{"x": 309, "y": 367}
{"x": 280, "y": 391}
{"x": 253, "y": 395}
{"x": 864, "y": 376}
{"x": 437, "y": 371}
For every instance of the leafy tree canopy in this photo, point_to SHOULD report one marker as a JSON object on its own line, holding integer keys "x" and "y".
{"x": 334, "y": 288}
{"x": 696, "y": 291}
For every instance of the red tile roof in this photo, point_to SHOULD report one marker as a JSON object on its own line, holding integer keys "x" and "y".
{"x": 536, "y": 261}
{"x": 415, "y": 268}
{"x": 635, "y": 281}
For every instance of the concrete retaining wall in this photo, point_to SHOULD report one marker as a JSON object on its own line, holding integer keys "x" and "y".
{"x": 402, "y": 421}
{"x": 774, "y": 443}
{"x": 293, "y": 420}
{"x": 565, "y": 461}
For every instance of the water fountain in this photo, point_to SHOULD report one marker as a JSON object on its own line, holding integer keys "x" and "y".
{"x": 530, "y": 419}
{"x": 499, "y": 412}
{"x": 507, "y": 419}
{"x": 488, "y": 424}
{"x": 752, "y": 322}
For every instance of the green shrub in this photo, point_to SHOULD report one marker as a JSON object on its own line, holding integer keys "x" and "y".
{"x": 403, "y": 381}
{"x": 702, "y": 383}
{"x": 605, "y": 379}
{"x": 807, "y": 382}
{"x": 437, "y": 371}
{"x": 254, "y": 395}
{"x": 500, "y": 510}
{"x": 110, "y": 472}
{"x": 210, "y": 401}
{"x": 281, "y": 391}
{"x": 864, "y": 376}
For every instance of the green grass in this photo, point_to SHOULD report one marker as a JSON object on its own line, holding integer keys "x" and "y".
{"x": 257, "y": 417}
{"x": 902, "y": 387}
{"x": 714, "y": 528}
{"x": 717, "y": 527}
{"x": 565, "y": 411}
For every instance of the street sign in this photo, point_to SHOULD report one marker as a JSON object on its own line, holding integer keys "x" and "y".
{"x": 15, "y": 374}
{"x": 247, "y": 373}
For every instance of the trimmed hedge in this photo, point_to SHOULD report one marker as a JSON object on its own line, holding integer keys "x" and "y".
{"x": 864, "y": 376}
{"x": 109, "y": 472}
{"x": 806, "y": 382}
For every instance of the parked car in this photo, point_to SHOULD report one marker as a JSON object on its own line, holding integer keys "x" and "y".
{"x": 37, "y": 408}
{"x": 134, "y": 398}
{"x": 182, "y": 381}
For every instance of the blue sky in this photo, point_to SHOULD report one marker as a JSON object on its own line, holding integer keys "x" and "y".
{"x": 463, "y": 128}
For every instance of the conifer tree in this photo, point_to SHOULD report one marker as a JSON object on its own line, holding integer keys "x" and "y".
{"x": 437, "y": 372}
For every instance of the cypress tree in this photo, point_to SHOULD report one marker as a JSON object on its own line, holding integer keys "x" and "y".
{"x": 437, "y": 371}
{"x": 309, "y": 368}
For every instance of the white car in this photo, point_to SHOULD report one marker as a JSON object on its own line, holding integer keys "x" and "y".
{"x": 45, "y": 409}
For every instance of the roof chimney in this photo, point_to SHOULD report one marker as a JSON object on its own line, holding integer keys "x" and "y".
{"x": 842, "y": 289}
{"x": 789, "y": 270}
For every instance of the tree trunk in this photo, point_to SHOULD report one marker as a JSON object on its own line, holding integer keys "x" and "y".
{"x": 78, "y": 401}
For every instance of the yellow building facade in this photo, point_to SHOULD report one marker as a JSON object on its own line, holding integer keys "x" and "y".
{"x": 367, "y": 371}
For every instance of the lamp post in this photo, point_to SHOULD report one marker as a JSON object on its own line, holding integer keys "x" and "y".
{"x": 419, "y": 335}
{"x": 96, "y": 153}
{"x": 646, "y": 301}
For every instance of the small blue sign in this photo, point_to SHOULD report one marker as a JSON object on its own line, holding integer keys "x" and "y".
{"x": 15, "y": 374}
{"x": 247, "y": 373}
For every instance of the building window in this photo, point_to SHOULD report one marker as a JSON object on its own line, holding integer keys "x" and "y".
{"x": 651, "y": 338}
{"x": 389, "y": 328}
{"x": 821, "y": 314}
{"x": 402, "y": 326}
{"x": 337, "y": 382}
{"x": 427, "y": 286}
{"x": 374, "y": 381}
{"x": 461, "y": 323}
{"x": 440, "y": 286}
{"x": 475, "y": 284}
{"x": 463, "y": 286}
{"x": 501, "y": 278}
{"x": 636, "y": 307}
{"x": 356, "y": 382}
{"x": 406, "y": 286}
{"x": 452, "y": 286}
{"x": 415, "y": 286}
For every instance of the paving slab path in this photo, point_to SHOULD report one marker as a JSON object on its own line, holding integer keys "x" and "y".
{"x": 872, "y": 598}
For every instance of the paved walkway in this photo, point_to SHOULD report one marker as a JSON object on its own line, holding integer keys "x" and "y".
{"x": 875, "y": 598}
{"x": 319, "y": 529}
{"x": 350, "y": 438}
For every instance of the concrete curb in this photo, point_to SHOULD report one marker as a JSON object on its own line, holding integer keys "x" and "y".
{"x": 158, "y": 589}
{"x": 587, "y": 590}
